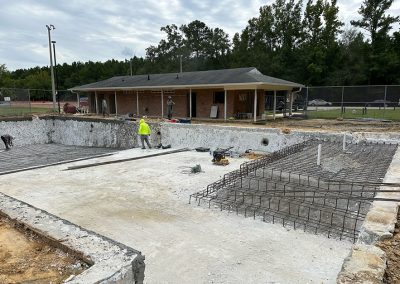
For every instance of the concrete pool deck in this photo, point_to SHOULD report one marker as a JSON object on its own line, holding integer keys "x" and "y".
{"x": 144, "y": 204}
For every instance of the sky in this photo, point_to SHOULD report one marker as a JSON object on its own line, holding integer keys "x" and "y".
{"x": 99, "y": 30}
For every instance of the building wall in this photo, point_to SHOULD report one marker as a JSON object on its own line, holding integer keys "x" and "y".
{"x": 205, "y": 99}
{"x": 150, "y": 102}
{"x": 126, "y": 102}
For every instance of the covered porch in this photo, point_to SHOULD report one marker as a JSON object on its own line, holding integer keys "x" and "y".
{"x": 217, "y": 103}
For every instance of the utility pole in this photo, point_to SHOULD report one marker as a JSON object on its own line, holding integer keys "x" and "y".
{"x": 130, "y": 63}
{"x": 180, "y": 63}
{"x": 56, "y": 75}
{"x": 53, "y": 87}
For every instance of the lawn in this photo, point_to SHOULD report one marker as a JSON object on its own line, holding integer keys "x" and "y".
{"x": 389, "y": 114}
{"x": 22, "y": 110}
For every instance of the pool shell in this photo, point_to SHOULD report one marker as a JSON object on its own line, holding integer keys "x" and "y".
{"x": 111, "y": 262}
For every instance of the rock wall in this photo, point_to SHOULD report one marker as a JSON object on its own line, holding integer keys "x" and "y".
{"x": 122, "y": 134}
{"x": 26, "y": 131}
{"x": 100, "y": 133}
{"x": 76, "y": 131}
{"x": 258, "y": 139}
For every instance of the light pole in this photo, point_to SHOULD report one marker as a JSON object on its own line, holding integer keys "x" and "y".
{"x": 56, "y": 74}
{"x": 53, "y": 87}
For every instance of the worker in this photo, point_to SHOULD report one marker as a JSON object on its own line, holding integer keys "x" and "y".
{"x": 144, "y": 132}
{"x": 104, "y": 107}
{"x": 7, "y": 140}
{"x": 170, "y": 104}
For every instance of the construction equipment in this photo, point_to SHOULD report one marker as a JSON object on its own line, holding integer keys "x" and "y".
{"x": 219, "y": 156}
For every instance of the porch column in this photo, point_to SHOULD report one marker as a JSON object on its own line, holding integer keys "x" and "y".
{"x": 162, "y": 103}
{"x": 97, "y": 104}
{"x": 274, "y": 110}
{"x": 290, "y": 103}
{"x": 225, "y": 104}
{"x": 116, "y": 104}
{"x": 255, "y": 105}
{"x": 78, "y": 99}
{"x": 137, "y": 103}
{"x": 190, "y": 103}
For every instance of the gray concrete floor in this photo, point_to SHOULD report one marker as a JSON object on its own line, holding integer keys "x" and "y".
{"x": 144, "y": 204}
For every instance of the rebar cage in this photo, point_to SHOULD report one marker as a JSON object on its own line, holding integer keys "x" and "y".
{"x": 288, "y": 187}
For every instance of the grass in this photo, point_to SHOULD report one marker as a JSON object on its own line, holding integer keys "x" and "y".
{"x": 389, "y": 114}
{"x": 21, "y": 110}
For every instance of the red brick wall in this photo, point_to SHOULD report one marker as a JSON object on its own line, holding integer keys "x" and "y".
{"x": 205, "y": 99}
{"x": 150, "y": 102}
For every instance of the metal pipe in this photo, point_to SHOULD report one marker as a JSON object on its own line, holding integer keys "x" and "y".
{"x": 319, "y": 155}
{"x": 96, "y": 101}
{"x": 225, "y": 104}
{"x": 116, "y": 103}
{"x": 274, "y": 110}
{"x": 53, "y": 87}
{"x": 255, "y": 105}
{"x": 137, "y": 103}
{"x": 190, "y": 102}
{"x": 162, "y": 103}
{"x": 344, "y": 142}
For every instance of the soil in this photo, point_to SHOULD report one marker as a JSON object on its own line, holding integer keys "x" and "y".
{"x": 26, "y": 258}
{"x": 286, "y": 125}
{"x": 392, "y": 249}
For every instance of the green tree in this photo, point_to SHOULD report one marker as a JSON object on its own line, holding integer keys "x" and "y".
{"x": 375, "y": 20}
{"x": 320, "y": 48}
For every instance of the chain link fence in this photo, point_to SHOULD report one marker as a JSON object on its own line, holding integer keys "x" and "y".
{"x": 20, "y": 102}
{"x": 350, "y": 102}
{"x": 330, "y": 102}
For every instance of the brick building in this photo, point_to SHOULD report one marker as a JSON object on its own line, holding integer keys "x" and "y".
{"x": 240, "y": 92}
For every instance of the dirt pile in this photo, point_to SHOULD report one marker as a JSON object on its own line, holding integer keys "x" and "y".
{"x": 392, "y": 249}
{"x": 26, "y": 258}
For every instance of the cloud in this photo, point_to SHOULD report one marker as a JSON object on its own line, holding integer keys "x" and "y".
{"x": 99, "y": 30}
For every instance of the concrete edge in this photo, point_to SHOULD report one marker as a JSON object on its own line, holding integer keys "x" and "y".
{"x": 366, "y": 262}
{"x": 112, "y": 262}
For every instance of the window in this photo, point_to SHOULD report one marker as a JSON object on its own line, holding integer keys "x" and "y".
{"x": 219, "y": 97}
{"x": 243, "y": 97}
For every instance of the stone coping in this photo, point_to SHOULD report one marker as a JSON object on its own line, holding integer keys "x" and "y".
{"x": 111, "y": 262}
{"x": 367, "y": 262}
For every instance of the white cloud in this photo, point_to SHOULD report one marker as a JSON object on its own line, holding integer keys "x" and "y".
{"x": 98, "y": 30}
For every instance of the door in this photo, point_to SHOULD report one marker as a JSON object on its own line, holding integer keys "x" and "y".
{"x": 194, "y": 104}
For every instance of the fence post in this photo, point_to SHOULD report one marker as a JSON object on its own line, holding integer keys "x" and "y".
{"x": 29, "y": 98}
{"x": 342, "y": 102}
{"x": 384, "y": 102}
{"x": 306, "y": 106}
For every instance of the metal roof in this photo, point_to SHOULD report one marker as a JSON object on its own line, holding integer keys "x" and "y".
{"x": 201, "y": 79}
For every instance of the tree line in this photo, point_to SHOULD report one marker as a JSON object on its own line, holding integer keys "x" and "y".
{"x": 309, "y": 45}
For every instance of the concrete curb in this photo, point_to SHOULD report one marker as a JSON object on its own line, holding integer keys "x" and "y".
{"x": 112, "y": 262}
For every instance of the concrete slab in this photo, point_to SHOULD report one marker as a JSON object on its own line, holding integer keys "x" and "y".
{"x": 144, "y": 204}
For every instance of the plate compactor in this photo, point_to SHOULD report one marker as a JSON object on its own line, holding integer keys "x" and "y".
{"x": 219, "y": 157}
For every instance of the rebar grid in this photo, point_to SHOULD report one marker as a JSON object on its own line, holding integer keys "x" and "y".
{"x": 31, "y": 156}
{"x": 288, "y": 187}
